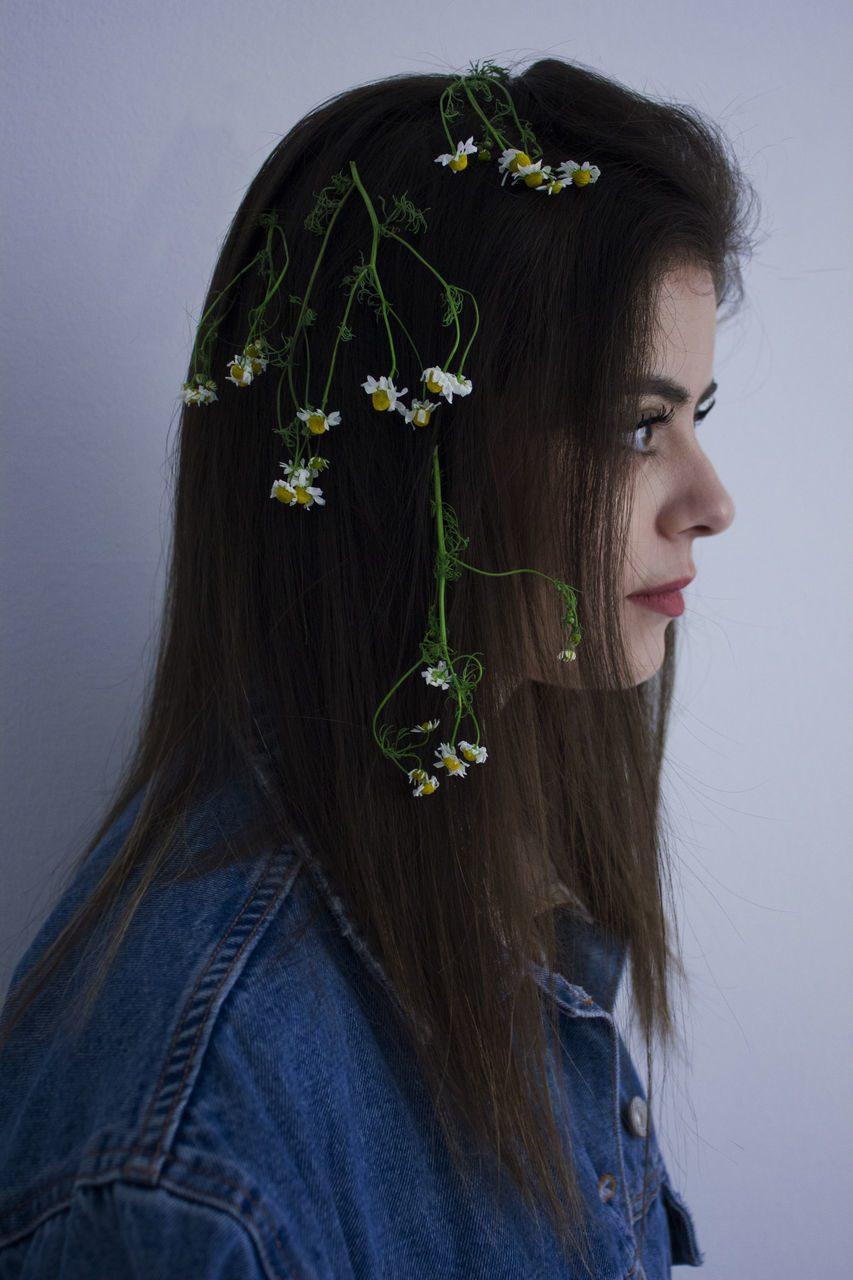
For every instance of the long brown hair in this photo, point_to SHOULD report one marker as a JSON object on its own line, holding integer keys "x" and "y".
{"x": 308, "y": 618}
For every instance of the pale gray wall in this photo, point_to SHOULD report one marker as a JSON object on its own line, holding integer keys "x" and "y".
{"x": 130, "y": 132}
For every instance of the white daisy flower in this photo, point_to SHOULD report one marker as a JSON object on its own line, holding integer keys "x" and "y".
{"x": 473, "y": 754}
{"x": 284, "y": 492}
{"x": 297, "y": 473}
{"x": 582, "y": 175}
{"x": 425, "y": 784}
{"x": 459, "y": 158}
{"x": 383, "y": 392}
{"x": 254, "y": 353}
{"x": 552, "y": 186}
{"x": 462, "y": 386}
{"x": 317, "y": 421}
{"x": 510, "y": 160}
{"x": 446, "y": 756}
{"x": 316, "y": 464}
{"x": 445, "y": 384}
{"x": 567, "y": 655}
{"x": 533, "y": 174}
{"x": 295, "y": 491}
{"x": 420, "y": 412}
{"x": 426, "y": 727}
{"x": 437, "y": 675}
{"x": 203, "y": 393}
{"x": 240, "y": 371}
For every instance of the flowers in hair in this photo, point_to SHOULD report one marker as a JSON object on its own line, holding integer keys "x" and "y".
{"x": 533, "y": 174}
{"x": 510, "y": 161}
{"x": 254, "y": 354}
{"x": 420, "y": 412}
{"x": 317, "y": 421}
{"x": 437, "y": 675}
{"x": 472, "y": 753}
{"x": 582, "y": 175}
{"x": 439, "y": 382}
{"x": 446, "y": 756}
{"x": 425, "y": 784}
{"x": 240, "y": 371}
{"x": 382, "y": 392}
{"x": 296, "y": 490}
{"x": 203, "y": 393}
{"x": 458, "y": 159}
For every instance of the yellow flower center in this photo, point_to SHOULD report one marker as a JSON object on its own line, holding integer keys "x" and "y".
{"x": 581, "y": 177}
{"x": 451, "y": 764}
{"x": 534, "y": 179}
{"x": 518, "y": 162}
{"x": 433, "y": 386}
{"x": 284, "y": 494}
{"x": 422, "y": 417}
{"x": 428, "y": 789}
{"x": 253, "y": 351}
{"x": 459, "y": 162}
{"x": 317, "y": 423}
{"x": 556, "y": 187}
{"x": 317, "y": 463}
{"x": 238, "y": 372}
{"x": 303, "y": 497}
{"x": 381, "y": 400}
{"x": 469, "y": 753}
{"x": 418, "y": 775}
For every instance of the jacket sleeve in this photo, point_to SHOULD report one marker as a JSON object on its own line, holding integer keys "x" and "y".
{"x": 138, "y": 1233}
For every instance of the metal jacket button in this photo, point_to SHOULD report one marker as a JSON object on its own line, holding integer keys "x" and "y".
{"x": 638, "y": 1117}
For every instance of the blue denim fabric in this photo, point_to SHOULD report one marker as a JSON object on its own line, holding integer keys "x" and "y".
{"x": 241, "y": 1104}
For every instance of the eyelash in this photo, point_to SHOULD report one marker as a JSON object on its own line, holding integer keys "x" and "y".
{"x": 662, "y": 419}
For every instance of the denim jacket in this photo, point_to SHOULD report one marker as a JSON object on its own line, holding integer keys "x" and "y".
{"x": 241, "y": 1104}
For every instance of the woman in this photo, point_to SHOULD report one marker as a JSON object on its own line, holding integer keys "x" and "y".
{"x": 331, "y": 994}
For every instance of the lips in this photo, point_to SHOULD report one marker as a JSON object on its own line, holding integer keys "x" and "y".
{"x": 666, "y": 598}
{"x": 664, "y": 588}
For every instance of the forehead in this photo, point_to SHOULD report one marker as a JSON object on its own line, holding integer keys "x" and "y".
{"x": 685, "y": 325}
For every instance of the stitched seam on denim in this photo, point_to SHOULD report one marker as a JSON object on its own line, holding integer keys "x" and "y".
{"x": 116, "y": 1175}
{"x": 188, "y": 1007}
{"x": 191, "y": 998}
{"x": 203, "y": 1022}
{"x": 648, "y": 1192}
{"x": 615, "y": 1120}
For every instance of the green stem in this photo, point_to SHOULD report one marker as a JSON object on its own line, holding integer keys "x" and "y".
{"x": 304, "y": 306}
{"x": 338, "y": 340}
{"x": 388, "y": 696}
{"x": 368, "y": 204}
{"x": 490, "y": 128}
{"x": 440, "y": 278}
{"x": 447, "y": 95}
{"x": 274, "y": 285}
{"x": 523, "y": 134}
{"x": 442, "y": 554}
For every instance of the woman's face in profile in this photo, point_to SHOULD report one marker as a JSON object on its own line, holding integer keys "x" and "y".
{"x": 677, "y": 494}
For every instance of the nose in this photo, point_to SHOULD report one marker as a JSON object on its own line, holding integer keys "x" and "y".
{"x": 706, "y": 506}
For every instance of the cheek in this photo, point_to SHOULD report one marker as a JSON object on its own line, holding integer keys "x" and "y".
{"x": 641, "y": 530}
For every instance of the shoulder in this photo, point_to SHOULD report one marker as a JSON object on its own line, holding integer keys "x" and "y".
{"x": 161, "y": 1104}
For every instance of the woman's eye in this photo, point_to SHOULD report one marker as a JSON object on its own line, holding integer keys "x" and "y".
{"x": 640, "y": 438}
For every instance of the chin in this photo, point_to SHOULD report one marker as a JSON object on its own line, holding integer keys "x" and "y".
{"x": 646, "y": 658}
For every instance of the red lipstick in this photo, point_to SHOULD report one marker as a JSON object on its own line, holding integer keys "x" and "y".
{"x": 665, "y": 598}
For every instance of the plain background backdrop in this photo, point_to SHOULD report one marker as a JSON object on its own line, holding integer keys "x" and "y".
{"x": 130, "y": 132}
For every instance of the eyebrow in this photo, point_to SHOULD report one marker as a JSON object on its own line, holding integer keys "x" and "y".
{"x": 674, "y": 391}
